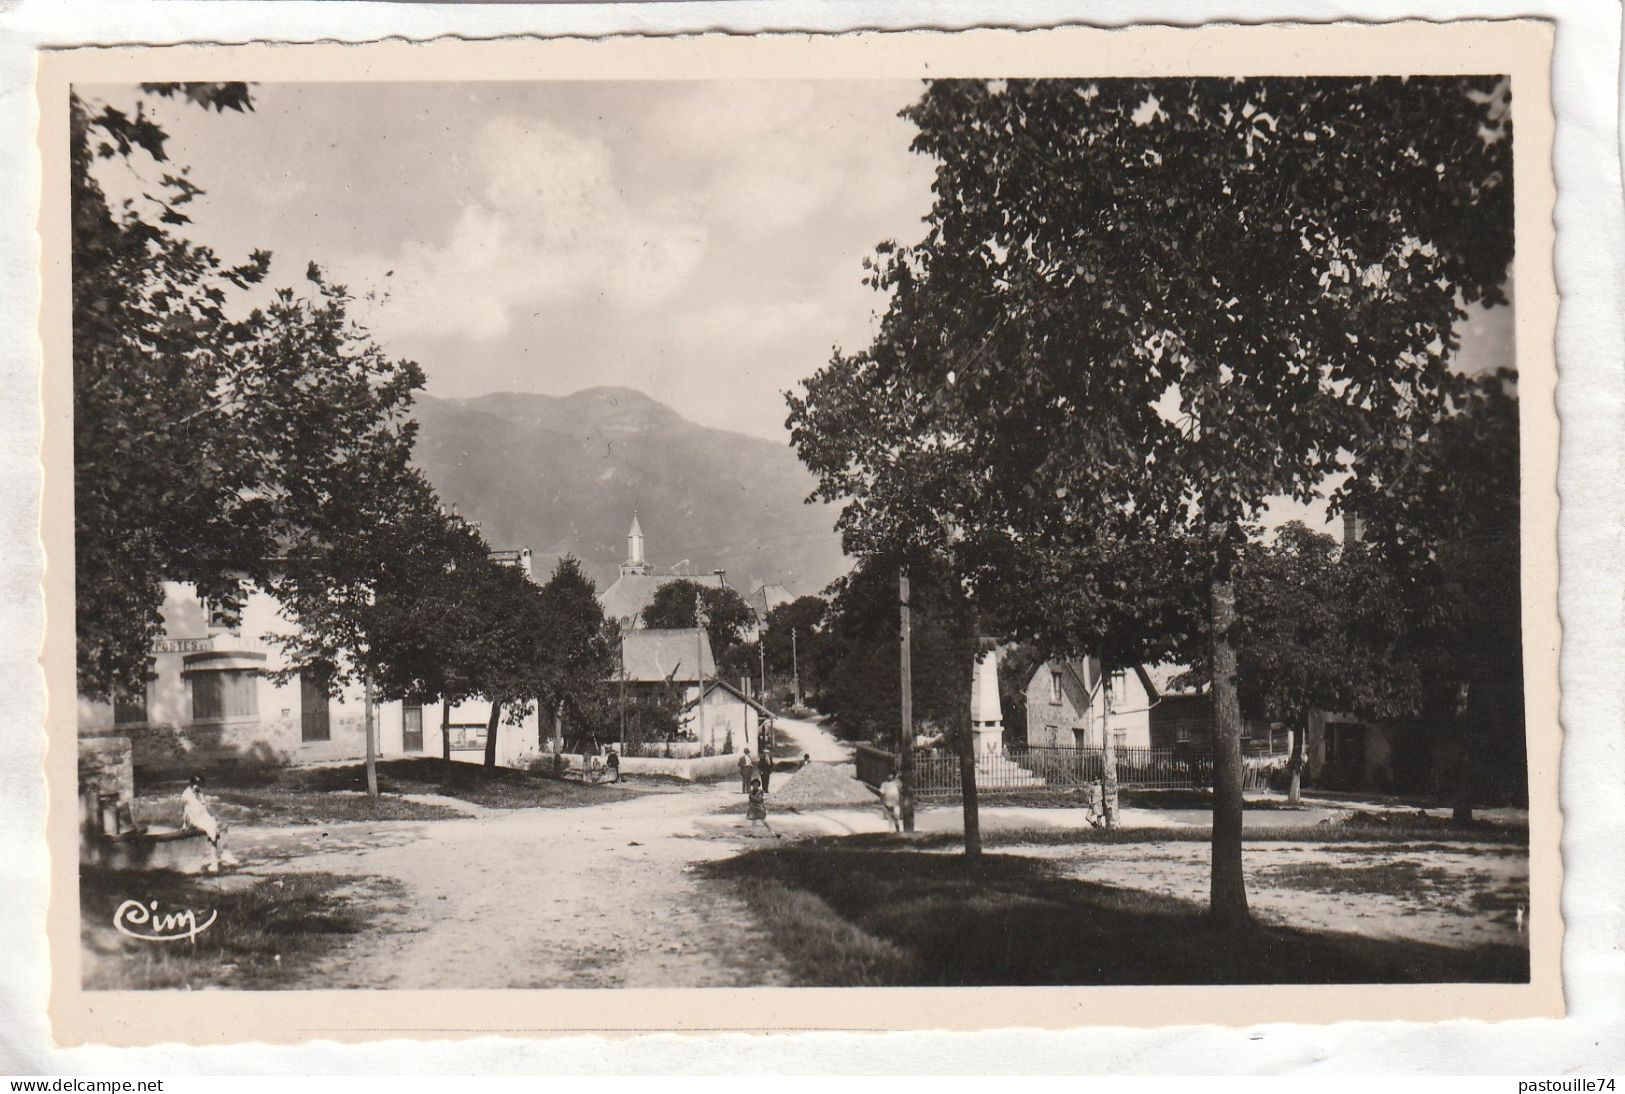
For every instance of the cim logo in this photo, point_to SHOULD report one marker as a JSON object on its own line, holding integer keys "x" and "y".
{"x": 143, "y": 921}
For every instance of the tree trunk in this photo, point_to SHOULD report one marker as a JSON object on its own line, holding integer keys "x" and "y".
{"x": 905, "y": 731}
{"x": 445, "y": 733}
{"x": 1228, "y": 890}
{"x": 491, "y": 733}
{"x": 372, "y": 739}
{"x": 967, "y": 793}
{"x": 1294, "y": 764}
{"x": 1108, "y": 753}
{"x": 1461, "y": 812}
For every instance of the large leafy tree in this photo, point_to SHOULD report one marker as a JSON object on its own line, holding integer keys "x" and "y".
{"x": 790, "y": 640}
{"x": 727, "y": 615}
{"x": 1140, "y": 309}
{"x": 1441, "y": 509}
{"x": 581, "y": 648}
{"x": 212, "y": 440}
{"x": 1320, "y": 628}
{"x": 856, "y": 655}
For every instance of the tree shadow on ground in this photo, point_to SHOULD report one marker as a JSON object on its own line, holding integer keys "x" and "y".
{"x": 937, "y": 919}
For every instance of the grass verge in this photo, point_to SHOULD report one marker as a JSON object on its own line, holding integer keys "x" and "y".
{"x": 266, "y": 934}
{"x": 306, "y": 795}
{"x": 845, "y": 915}
{"x": 1503, "y": 835}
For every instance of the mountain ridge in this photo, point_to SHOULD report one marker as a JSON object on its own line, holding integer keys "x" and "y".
{"x": 562, "y": 474}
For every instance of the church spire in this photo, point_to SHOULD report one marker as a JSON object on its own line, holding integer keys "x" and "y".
{"x": 635, "y": 563}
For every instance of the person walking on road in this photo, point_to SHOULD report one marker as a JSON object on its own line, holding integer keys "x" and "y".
{"x": 891, "y": 800}
{"x": 747, "y": 771}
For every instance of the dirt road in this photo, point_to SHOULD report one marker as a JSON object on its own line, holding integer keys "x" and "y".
{"x": 590, "y": 897}
{"x": 814, "y": 740}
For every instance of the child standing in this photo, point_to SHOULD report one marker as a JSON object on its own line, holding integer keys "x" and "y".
{"x": 756, "y": 811}
{"x": 891, "y": 800}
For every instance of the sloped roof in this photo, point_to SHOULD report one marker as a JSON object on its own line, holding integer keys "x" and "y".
{"x": 1162, "y": 677}
{"x": 653, "y": 655}
{"x": 1085, "y": 670}
{"x": 713, "y": 685}
{"x": 767, "y": 597}
{"x": 632, "y": 593}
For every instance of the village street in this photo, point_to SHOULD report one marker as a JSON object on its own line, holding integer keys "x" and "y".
{"x": 607, "y": 895}
{"x": 593, "y": 896}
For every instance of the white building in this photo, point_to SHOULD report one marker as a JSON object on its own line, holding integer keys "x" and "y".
{"x": 210, "y": 703}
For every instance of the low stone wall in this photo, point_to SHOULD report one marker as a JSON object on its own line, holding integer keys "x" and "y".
{"x": 183, "y": 850}
{"x": 697, "y": 769}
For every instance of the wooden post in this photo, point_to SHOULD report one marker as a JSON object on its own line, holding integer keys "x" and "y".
{"x": 795, "y": 666}
{"x": 372, "y": 739}
{"x": 699, "y": 671}
{"x": 905, "y": 732}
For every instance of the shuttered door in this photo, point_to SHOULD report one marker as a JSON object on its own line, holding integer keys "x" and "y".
{"x": 314, "y": 724}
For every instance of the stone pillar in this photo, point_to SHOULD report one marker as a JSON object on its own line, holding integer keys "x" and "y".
{"x": 986, "y": 715}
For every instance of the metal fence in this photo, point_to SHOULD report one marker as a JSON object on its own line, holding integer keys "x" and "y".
{"x": 1038, "y": 768}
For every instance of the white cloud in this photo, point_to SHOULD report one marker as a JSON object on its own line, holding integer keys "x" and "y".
{"x": 548, "y": 226}
{"x": 744, "y": 326}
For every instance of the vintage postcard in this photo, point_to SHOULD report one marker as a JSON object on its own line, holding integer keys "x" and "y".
{"x": 894, "y": 530}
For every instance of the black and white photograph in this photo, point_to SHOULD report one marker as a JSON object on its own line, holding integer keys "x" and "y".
{"x": 945, "y": 531}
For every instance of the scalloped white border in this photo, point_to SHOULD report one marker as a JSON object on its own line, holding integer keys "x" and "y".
{"x": 1591, "y": 272}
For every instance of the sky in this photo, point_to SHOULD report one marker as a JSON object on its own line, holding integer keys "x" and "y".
{"x": 700, "y": 241}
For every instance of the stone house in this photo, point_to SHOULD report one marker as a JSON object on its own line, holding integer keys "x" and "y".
{"x": 1066, "y": 705}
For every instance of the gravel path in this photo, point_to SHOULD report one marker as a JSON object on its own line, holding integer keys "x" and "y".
{"x": 814, "y": 740}
{"x": 592, "y": 897}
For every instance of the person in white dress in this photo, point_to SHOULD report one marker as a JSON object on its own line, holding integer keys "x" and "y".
{"x": 195, "y": 814}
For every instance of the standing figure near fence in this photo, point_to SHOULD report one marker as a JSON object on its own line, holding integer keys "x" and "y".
{"x": 747, "y": 771}
{"x": 891, "y": 800}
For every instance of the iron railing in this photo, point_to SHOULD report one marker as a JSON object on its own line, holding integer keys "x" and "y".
{"x": 1040, "y": 768}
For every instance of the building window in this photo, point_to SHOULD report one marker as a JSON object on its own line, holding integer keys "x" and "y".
{"x": 1119, "y": 739}
{"x": 315, "y": 722}
{"x": 412, "y": 727}
{"x": 130, "y": 709}
{"x": 222, "y": 617}
{"x": 1055, "y": 688}
{"x": 1182, "y": 733}
{"x": 222, "y": 695}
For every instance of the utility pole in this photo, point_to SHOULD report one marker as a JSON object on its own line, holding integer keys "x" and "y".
{"x": 795, "y": 665}
{"x": 699, "y": 665}
{"x": 905, "y": 743}
{"x": 761, "y": 660}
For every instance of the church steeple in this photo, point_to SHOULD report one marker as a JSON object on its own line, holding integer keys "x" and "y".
{"x": 635, "y": 563}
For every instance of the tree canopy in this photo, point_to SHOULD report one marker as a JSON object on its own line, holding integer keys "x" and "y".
{"x": 213, "y": 441}
{"x": 727, "y": 615}
{"x": 1140, "y": 310}
{"x": 1441, "y": 510}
